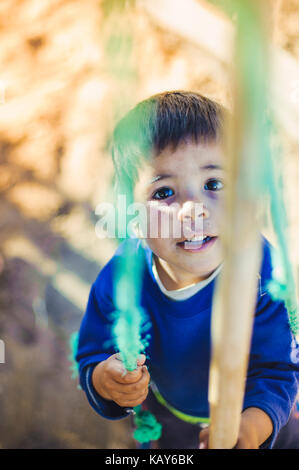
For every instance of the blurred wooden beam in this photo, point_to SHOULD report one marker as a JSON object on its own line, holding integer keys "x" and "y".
{"x": 232, "y": 320}
{"x": 234, "y": 300}
{"x": 200, "y": 24}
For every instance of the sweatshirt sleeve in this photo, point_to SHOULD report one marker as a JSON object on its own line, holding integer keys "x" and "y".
{"x": 95, "y": 345}
{"x": 273, "y": 372}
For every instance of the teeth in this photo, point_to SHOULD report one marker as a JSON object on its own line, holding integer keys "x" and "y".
{"x": 196, "y": 239}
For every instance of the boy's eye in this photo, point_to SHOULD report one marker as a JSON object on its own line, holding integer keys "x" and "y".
{"x": 163, "y": 193}
{"x": 214, "y": 185}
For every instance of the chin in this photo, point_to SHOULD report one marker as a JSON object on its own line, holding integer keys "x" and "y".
{"x": 204, "y": 272}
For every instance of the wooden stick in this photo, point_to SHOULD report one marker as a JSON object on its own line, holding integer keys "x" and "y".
{"x": 232, "y": 317}
{"x": 235, "y": 295}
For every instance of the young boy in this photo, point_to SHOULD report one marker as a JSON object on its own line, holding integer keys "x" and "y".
{"x": 170, "y": 147}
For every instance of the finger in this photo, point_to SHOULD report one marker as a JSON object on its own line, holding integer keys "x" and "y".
{"x": 135, "y": 402}
{"x": 134, "y": 388}
{"x": 243, "y": 444}
{"x": 119, "y": 374}
{"x": 133, "y": 376}
{"x": 204, "y": 439}
{"x": 128, "y": 398}
{"x": 141, "y": 383}
{"x": 115, "y": 357}
{"x": 141, "y": 360}
{"x": 120, "y": 389}
{"x": 116, "y": 371}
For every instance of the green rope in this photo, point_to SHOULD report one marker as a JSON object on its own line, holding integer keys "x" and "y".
{"x": 129, "y": 318}
{"x": 147, "y": 427}
{"x": 127, "y": 329}
{"x": 73, "y": 345}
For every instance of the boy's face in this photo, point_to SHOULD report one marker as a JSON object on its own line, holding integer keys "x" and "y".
{"x": 187, "y": 185}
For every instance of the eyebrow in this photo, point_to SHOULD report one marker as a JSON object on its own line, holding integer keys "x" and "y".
{"x": 205, "y": 167}
{"x": 211, "y": 167}
{"x": 159, "y": 178}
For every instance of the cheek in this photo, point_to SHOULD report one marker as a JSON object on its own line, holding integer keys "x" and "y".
{"x": 159, "y": 246}
{"x": 215, "y": 203}
{"x": 215, "y": 196}
{"x": 162, "y": 222}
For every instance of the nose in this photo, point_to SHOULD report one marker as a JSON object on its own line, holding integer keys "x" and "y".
{"x": 191, "y": 215}
{"x": 193, "y": 210}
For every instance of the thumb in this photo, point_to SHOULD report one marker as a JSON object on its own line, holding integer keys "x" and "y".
{"x": 136, "y": 374}
{"x": 204, "y": 438}
{"x": 141, "y": 360}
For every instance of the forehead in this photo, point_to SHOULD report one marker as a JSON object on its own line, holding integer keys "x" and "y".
{"x": 188, "y": 155}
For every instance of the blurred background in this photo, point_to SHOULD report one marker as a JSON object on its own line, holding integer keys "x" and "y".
{"x": 69, "y": 68}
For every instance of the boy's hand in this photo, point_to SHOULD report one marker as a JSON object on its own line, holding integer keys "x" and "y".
{"x": 113, "y": 382}
{"x": 255, "y": 428}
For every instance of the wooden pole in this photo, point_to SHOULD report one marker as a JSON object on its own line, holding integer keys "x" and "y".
{"x": 232, "y": 316}
{"x": 235, "y": 294}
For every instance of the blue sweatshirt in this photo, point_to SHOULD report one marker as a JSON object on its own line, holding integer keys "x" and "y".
{"x": 178, "y": 354}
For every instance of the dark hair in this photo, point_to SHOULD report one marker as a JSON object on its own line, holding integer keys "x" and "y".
{"x": 165, "y": 119}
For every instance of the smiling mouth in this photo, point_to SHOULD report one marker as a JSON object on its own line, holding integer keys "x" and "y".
{"x": 197, "y": 243}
